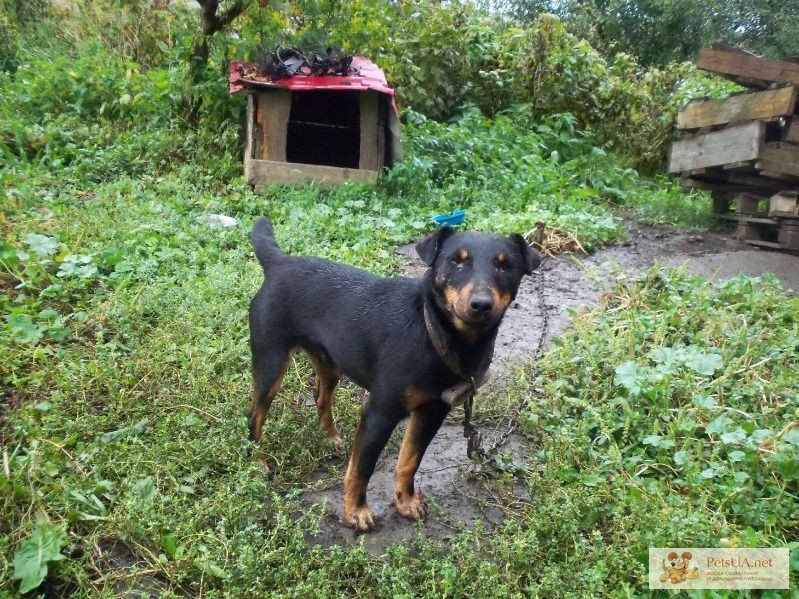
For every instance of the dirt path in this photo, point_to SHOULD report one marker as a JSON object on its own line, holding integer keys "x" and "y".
{"x": 458, "y": 496}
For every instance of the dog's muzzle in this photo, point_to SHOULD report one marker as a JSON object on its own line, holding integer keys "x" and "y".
{"x": 481, "y": 307}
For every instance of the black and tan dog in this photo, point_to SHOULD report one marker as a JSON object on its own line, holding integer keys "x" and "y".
{"x": 409, "y": 342}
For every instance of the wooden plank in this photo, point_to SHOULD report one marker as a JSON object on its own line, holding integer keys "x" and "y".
{"x": 748, "y": 69}
{"x": 744, "y": 165}
{"x": 773, "y": 170}
{"x": 249, "y": 128}
{"x": 731, "y": 181}
{"x": 747, "y": 203}
{"x": 382, "y": 111}
{"x": 273, "y": 110}
{"x": 268, "y": 172}
{"x": 762, "y": 221}
{"x": 394, "y": 140}
{"x": 757, "y": 183}
{"x": 718, "y": 186}
{"x": 791, "y": 132}
{"x": 783, "y": 202}
{"x": 781, "y": 158}
{"x": 770, "y": 104}
{"x": 773, "y": 245}
{"x": 731, "y": 144}
{"x": 789, "y": 238}
{"x": 368, "y": 157}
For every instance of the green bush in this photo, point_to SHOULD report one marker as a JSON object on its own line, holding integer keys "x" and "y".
{"x": 440, "y": 62}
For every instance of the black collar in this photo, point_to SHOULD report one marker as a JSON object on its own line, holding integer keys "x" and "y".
{"x": 438, "y": 338}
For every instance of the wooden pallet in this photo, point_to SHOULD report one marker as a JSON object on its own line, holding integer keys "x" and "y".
{"x": 747, "y": 69}
{"x": 748, "y": 141}
{"x": 771, "y": 233}
{"x": 746, "y": 146}
{"x": 748, "y": 204}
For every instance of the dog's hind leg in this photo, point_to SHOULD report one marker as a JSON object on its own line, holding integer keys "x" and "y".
{"x": 327, "y": 377}
{"x": 268, "y": 368}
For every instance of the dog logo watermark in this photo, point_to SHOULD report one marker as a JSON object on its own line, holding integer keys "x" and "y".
{"x": 704, "y": 568}
{"x": 678, "y": 568}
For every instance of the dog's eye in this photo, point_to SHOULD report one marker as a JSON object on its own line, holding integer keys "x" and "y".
{"x": 459, "y": 259}
{"x": 502, "y": 263}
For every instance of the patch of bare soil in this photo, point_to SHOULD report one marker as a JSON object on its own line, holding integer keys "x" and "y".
{"x": 458, "y": 491}
{"x": 457, "y": 495}
{"x": 124, "y": 571}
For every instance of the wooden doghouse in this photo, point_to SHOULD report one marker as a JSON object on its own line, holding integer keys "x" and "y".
{"x": 322, "y": 128}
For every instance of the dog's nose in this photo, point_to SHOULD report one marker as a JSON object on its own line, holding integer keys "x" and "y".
{"x": 481, "y": 302}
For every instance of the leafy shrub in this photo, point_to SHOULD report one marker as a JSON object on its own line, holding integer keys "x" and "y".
{"x": 48, "y": 290}
{"x": 511, "y": 171}
{"x": 16, "y": 24}
{"x": 108, "y": 117}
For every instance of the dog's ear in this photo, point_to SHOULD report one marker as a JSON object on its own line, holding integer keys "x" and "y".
{"x": 429, "y": 247}
{"x": 532, "y": 259}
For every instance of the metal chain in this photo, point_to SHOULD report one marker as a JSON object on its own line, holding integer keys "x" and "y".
{"x": 474, "y": 447}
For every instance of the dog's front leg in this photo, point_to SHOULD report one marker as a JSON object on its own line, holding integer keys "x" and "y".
{"x": 373, "y": 433}
{"x": 422, "y": 427}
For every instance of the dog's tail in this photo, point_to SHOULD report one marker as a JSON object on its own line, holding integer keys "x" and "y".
{"x": 263, "y": 242}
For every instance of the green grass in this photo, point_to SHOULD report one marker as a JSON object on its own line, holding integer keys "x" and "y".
{"x": 667, "y": 416}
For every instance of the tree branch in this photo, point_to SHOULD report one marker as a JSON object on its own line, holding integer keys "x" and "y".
{"x": 233, "y": 12}
{"x": 213, "y": 22}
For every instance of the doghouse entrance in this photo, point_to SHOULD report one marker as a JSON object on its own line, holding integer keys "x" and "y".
{"x": 324, "y": 128}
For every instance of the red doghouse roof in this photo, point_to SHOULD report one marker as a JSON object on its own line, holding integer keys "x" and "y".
{"x": 365, "y": 75}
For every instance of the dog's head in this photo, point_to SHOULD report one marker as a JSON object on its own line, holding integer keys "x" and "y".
{"x": 475, "y": 276}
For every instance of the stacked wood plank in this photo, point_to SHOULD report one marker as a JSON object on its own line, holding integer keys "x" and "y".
{"x": 746, "y": 144}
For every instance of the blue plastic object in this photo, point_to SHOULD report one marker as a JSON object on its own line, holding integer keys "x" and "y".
{"x": 453, "y": 220}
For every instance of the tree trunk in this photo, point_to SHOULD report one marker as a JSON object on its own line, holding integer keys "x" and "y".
{"x": 211, "y": 21}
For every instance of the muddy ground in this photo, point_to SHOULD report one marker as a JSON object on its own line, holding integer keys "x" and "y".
{"x": 458, "y": 492}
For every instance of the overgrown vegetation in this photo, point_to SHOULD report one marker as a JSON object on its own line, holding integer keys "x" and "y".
{"x": 669, "y": 414}
{"x": 442, "y": 60}
{"x": 640, "y": 28}
{"x": 684, "y": 387}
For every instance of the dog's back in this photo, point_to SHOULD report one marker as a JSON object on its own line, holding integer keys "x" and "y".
{"x": 324, "y": 306}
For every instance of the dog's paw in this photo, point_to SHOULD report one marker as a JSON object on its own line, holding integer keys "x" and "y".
{"x": 410, "y": 506}
{"x": 259, "y": 457}
{"x": 361, "y": 518}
